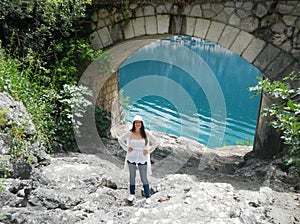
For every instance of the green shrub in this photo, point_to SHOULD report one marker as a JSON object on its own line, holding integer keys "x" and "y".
{"x": 48, "y": 37}
{"x": 103, "y": 122}
{"x": 246, "y": 142}
{"x": 15, "y": 80}
{"x": 3, "y": 118}
{"x": 37, "y": 25}
{"x": 43, "y": 74}
{"x": 285, "y": 113}
{"x": 73, "y": 103}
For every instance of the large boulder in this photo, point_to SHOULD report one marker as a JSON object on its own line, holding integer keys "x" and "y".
{"x": 15, "y": 117}
{"x": 16, "y": 114}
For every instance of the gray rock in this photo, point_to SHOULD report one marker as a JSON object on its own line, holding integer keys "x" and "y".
{"x": 17, "y": 160}
{"x": 6, "y": 167}
{"x": 260, "y": 10}
{"x": 211, "y": 186}
{"x": 5, "y": 143}
{"x": 17, "y": 113}
{"x": 82, "y": 188}
{"x": 22, "y": 169}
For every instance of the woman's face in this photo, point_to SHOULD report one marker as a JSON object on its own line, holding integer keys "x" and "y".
{"x": 138, "y": 124}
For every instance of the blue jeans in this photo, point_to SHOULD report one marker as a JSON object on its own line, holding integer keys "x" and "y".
{"x": 143, "y": 175}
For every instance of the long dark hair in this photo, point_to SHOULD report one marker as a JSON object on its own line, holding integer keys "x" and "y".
{"x": 142, "y": 131}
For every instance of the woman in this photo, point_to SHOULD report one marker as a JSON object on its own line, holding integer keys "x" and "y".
{"x": 137, "y": 144}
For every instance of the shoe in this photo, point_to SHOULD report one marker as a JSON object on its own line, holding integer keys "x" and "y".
{"x": 131, "y": 197}
{"x": 148, "y": 200}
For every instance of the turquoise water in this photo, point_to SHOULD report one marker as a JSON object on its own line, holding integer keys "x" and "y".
{"x": 193, "y": 88}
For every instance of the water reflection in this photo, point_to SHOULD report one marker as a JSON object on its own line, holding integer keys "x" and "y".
{"x": 189, "y": 87}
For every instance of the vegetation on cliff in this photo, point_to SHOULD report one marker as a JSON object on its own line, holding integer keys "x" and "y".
{"x": 285, "y": 112}
{"x": 43, "y": 52}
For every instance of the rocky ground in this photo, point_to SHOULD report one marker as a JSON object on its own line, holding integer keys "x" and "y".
{"x": 198, "y": 186}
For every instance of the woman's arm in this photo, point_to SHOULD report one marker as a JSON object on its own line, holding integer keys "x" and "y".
{"x": 123, "y": 140}
{"x": 153, "y": 142}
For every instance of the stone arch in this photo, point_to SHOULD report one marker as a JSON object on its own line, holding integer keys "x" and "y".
{"x": 210, "y": 22}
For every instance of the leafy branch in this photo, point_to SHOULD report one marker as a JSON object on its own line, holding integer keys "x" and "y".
{"x": 285, "y": 112}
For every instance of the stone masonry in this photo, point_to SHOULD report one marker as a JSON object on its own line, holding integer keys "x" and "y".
{"x": 107, "y": 94}
{"x": 265, "y": 33}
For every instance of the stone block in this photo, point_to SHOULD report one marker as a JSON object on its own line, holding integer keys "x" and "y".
{"x": 228, "y": 36}
{"x": 248, "y": 6}
{"x": 128, "y": 31}
{"x": 186, "y": 10}
{"x": 284, "y": 8}
{"x": 161, "y": 9}
{"x": 151, "y": 25}
{"x": 116, "y": 33}
{"x": 139, "y": 26}
{"x": 289, "y": 20}
{"x": 101, "y": 23}
{"x": 278, "y": 27}
{"x": 206, "y": 6}
{"x": 103, "y": 13}
{"x": 278, "y": 65}
{"x": 196, "y": 11}
{"x": 249, "y": 24}
{"x": 201, "y": 28}
{"x": 217, "y": 7}
{"x": 107, "y": 21}
{"x": 95, "y": 40}
{"x": 149, "y": 10}
{"x": 105, "y": 37}
{"x": 234, "y": 20}
{"x": 190, "y": 27}
{"x": 241, "y": 13}
{"x": 228, "y": 10}
{"x": 253, "y": 50}
{"x": 163, "y": 22}
{"x": 287, "y": 46}
{"x": 266, "y": 56}
{"x": 168, "y": 6}
{"x": 215, "y": 31}
{"x": 241, "y": 42}
{"x": 221, "y": 17}
{"x": 292, "y": 68}
{"x": 139, "y": 12}
{"x": 296, "y": 11}
{"x": 261, "y": 10}
{"x": 208, "y": 14}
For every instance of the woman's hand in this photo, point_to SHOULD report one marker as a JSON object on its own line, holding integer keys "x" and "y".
{"x": 145, "y": 152}
{"x": 130, "y": 149}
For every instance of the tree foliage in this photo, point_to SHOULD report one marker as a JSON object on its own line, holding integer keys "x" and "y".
{"x": 37, "y": 25}
{"x": 285, "y": 112}
{"x": 43, "y": 51}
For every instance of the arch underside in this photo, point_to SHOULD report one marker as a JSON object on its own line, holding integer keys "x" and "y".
{"x": 270, "y": 60}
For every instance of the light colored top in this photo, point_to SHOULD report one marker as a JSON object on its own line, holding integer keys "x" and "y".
{"x": 138, "y": 146}
{"x": 137, "y": 154}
